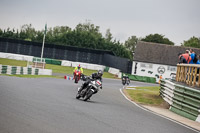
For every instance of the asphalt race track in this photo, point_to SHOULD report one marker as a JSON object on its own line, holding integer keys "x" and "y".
{"x": 48, "y": 105}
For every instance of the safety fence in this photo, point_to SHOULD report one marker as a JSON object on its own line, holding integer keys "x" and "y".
{"x": 59, "y": 52}
{"x": 184, "y": 101}
{"x": 18, "y": 70}
{"x": 189, "y": 74}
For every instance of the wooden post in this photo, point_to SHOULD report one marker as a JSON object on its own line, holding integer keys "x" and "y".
{"x": 199, "y": 79}
{"x": 188, "y": 75}
{"x": 195, "y": 76}
{"x": 191, "y": 75}
{"x": 185, "y": 74}
{"x": 182, "y": 73}
{"x": 177, "y": 73}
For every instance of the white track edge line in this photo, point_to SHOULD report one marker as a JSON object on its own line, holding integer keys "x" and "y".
{"x": 159, "y": 114}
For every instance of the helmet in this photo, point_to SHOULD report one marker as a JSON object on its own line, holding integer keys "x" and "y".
{"x": 100, "y": 73}
{"x": 79, "y": 66}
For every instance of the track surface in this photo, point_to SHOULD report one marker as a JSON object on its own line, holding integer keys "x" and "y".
{"x": 47, "y": 105}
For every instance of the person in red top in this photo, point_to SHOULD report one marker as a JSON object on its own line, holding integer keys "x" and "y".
{"x": 186, "y": 56}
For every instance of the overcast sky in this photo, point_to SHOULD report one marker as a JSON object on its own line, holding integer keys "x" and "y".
{"x": 178, "y": 20}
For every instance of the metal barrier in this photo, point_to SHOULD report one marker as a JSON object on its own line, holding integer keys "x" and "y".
{"x": 189, "y": 74}
{"x": 167, "y": 90}
{"x": 184, "y": 101}
{"x": 18, "y": 70}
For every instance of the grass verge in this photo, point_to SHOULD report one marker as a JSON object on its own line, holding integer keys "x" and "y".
{"x": 146, "y": 96}
{"x": 11, "y": 62}
{"x": 55, "y": 69}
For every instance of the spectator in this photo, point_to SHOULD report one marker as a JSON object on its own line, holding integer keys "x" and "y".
{"x": 193, "y": 57}
{"x": 184, "y": 58}
{"x": 198, "y": 61}
{"x": 160, "y": 78}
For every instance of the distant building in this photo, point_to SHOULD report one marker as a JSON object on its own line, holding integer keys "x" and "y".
{"x": 153, "y": 59}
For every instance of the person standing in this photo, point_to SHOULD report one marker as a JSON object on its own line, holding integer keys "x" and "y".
{"x": 198, "y": 61}
{"x": 185, "y": 58}
{"x": 193, "y": 57}
{"x": 160, "y": 78}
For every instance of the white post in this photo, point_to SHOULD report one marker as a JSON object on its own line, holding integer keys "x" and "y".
{"x": 45, "y": 30}
{"x": 42, "y": 47}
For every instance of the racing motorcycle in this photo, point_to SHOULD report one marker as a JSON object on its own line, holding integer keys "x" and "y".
{"x": 125, "y": 80}
{"x": 77, "y": 76}
{"x": 92, "y": 88}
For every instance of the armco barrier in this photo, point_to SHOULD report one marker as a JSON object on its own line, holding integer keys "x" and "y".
{"x": 48, "y": 61}
{"x": 142, "y": 78}
{"x": 66, "y": 63}
{"x": 167, "y": 91}
{"x": 114, "y": 71}
{"x": 87, "y": 66}
{"x": 16, "y": 56}
{"x": 16, "y": 70}
{"x": 184, "y": 101}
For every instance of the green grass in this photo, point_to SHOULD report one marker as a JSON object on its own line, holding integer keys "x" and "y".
{"x": 146, "y": 95}
{"x": 55, "y": 68}
{"x": 12, "y": 62}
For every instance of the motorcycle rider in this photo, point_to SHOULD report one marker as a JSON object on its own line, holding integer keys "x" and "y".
{"x": 94, "y": 76}
{"x": 78, "y": 68}
{"x": 126, "y": 78}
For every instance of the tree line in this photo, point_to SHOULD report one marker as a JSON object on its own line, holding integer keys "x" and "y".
{"x": 87, "y": 35}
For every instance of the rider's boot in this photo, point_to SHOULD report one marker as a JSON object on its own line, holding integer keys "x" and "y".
{"x": 82, "y": 87}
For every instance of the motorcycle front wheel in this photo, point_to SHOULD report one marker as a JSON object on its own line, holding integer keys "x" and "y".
{"x": 76, "y": 79}
{"x": 123, "y": 82}
{"x": 88, "y": 95}
{"x": 78, "y": 96}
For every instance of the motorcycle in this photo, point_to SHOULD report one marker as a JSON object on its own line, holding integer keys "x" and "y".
{"x": 92, "y": 88}
{"x": 77, "y": 76}
{"x": 125, "y": 80}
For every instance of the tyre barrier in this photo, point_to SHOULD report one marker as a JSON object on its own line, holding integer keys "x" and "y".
{"x": 68, "y": 77}
{"x": 183, "y": 100}
{"x": 18, "y": 70}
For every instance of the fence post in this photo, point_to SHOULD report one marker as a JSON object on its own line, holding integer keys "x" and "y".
{"x": 177, "y": 72}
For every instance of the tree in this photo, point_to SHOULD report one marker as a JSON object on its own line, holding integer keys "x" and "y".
{"x": 192, "y": 42}
{"x": 85, "y": 35}
{"x": 157, "y": 38}
{"x": 28, "y": 32}
{"x": 39, "y": 36}
{"x": 87, "y": 26}
{"x": 108, "y": 35}
{"x": 1, "y": 33}
{"x": 131, "y": 43}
